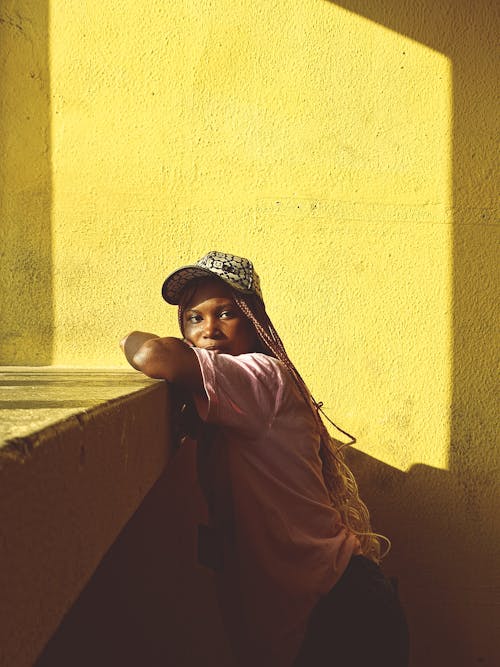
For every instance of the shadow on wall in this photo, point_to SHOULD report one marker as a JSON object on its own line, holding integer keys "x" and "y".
{"x": 445, "y": 523}
{"x": 444, "y": 564}
{"x": 25, "y": 185}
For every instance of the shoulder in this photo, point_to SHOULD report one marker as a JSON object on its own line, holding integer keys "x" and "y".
{"x": 243, "y": 391}
{"x": 256, "y": 364}
{"x": 262, "y": 361}
{"x": 252, "y": 374}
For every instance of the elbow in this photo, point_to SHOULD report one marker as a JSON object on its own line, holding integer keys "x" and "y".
{"x": 160, "y": 358}
{"x": 150, "y": 359}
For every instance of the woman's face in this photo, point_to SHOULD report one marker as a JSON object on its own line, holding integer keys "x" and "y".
{"x": 213, "y": 321}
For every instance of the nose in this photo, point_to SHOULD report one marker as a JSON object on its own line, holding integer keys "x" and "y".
{"x": 211, "y": 327}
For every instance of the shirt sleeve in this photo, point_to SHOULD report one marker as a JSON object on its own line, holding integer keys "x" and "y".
{"x": 242, "y": 392}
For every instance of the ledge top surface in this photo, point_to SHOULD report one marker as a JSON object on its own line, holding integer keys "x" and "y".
{"x": 34, "y": 398}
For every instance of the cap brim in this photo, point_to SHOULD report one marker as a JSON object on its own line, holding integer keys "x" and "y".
{"x": 174, "y": 284}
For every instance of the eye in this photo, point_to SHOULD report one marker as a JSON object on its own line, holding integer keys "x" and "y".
{"x": 193, "y": 319}
{"x": 226, "y": 314}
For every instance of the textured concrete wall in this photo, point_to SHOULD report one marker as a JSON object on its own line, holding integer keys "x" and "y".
{"x": 26, "y": 297}
{"x": 347, "y": 148}
{"x": 446, "y": 520}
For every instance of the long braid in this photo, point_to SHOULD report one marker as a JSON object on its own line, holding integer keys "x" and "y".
{"x": 339, "y": 480}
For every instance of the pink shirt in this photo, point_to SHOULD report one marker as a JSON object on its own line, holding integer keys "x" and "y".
{"x": 290, "y": 547}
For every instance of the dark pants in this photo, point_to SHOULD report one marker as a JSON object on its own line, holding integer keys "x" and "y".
{"x": 359, "y": 623}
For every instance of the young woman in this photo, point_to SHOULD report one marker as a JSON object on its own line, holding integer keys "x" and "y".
{"x": 290, "y": 541}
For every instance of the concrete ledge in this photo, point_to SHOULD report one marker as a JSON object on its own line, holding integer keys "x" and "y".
{"x": 79, "y": 450}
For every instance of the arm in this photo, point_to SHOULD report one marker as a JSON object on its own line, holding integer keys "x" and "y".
{"x": 164, "y": 358}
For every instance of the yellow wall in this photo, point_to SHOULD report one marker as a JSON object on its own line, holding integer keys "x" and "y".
{"x": 346, "y": 148}
{"x": 291, "y": 134}
{"x": 26, "y": 298}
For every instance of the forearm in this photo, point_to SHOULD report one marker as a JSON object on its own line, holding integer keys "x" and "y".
{"x": 169, "y": 359}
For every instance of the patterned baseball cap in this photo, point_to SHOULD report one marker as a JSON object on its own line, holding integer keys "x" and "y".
{"x": 237, "y": 272}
